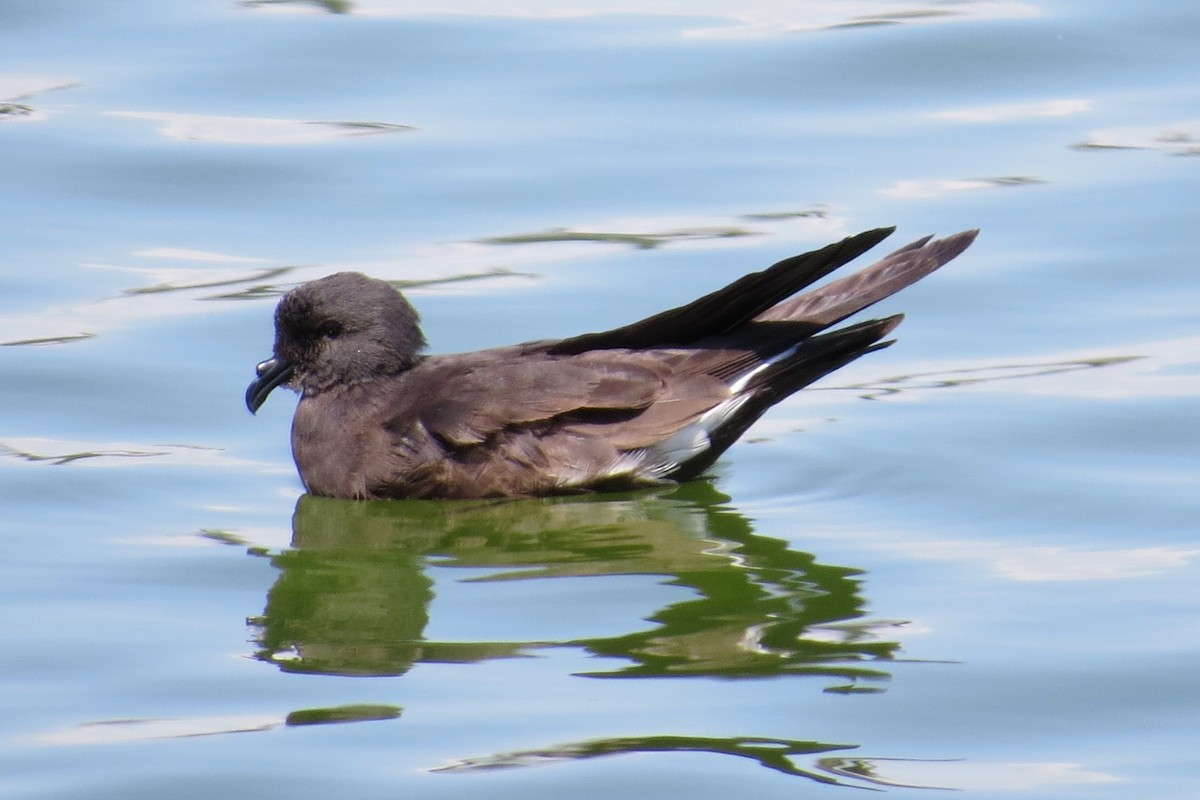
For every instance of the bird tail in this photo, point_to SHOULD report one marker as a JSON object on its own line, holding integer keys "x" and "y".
{"x": 775, "y": 379}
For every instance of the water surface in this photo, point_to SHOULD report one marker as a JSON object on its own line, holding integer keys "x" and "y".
{"x": 967, "y": 562}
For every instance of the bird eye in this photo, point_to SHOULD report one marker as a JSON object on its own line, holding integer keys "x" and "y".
{"x": 330, "y": 329}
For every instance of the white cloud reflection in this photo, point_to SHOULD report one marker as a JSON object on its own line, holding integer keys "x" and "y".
{"x": 967, "y": 774}
{"x": 184, "y": 254}
{"x": 1177, "y": 138}
{"x": 123, "y": 731}
{"x": 1154, "y": 368}
{"x": 914, "y": 189}
{"x": 747, "y": 19}
{"x": 1035, "y": 564}
{"x": 1058, "y": 564}
{"x": 58, "y": 452}
{"x": 1015, "y": 111}
{"x": 17, "y": 90}
{"x": 213, "y": 128}
{"x": 16, "y": 87}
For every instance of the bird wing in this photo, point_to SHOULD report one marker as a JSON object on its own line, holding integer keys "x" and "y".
{"x": 727, "y": 308}
{"x": 474, "y": 396}
{"x": 838, "y": 299}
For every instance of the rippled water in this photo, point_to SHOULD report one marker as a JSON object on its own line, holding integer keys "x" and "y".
{"x": 967, "y": 562}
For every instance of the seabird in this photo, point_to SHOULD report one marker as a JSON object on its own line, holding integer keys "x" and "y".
{"x": 653, "y": 402}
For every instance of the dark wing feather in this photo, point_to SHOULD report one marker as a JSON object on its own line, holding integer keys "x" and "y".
{"x": 812, "y": 359}
{"x": 730, "y": 307}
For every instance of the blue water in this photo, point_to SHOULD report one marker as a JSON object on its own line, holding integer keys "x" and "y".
{"x": 967, "y": 562}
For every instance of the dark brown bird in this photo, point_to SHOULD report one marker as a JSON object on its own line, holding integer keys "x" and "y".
{"x": 651, "y": 402}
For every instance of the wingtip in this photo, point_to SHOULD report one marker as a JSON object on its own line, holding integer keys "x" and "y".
{"x": 876, "y": 235}
{"x": 889, "y": 324}
{"x": 954, "y": 244}
{"x": 855, "y": 245}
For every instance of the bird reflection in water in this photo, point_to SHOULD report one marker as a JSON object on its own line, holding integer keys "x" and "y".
{"x": 353, "y": 594}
